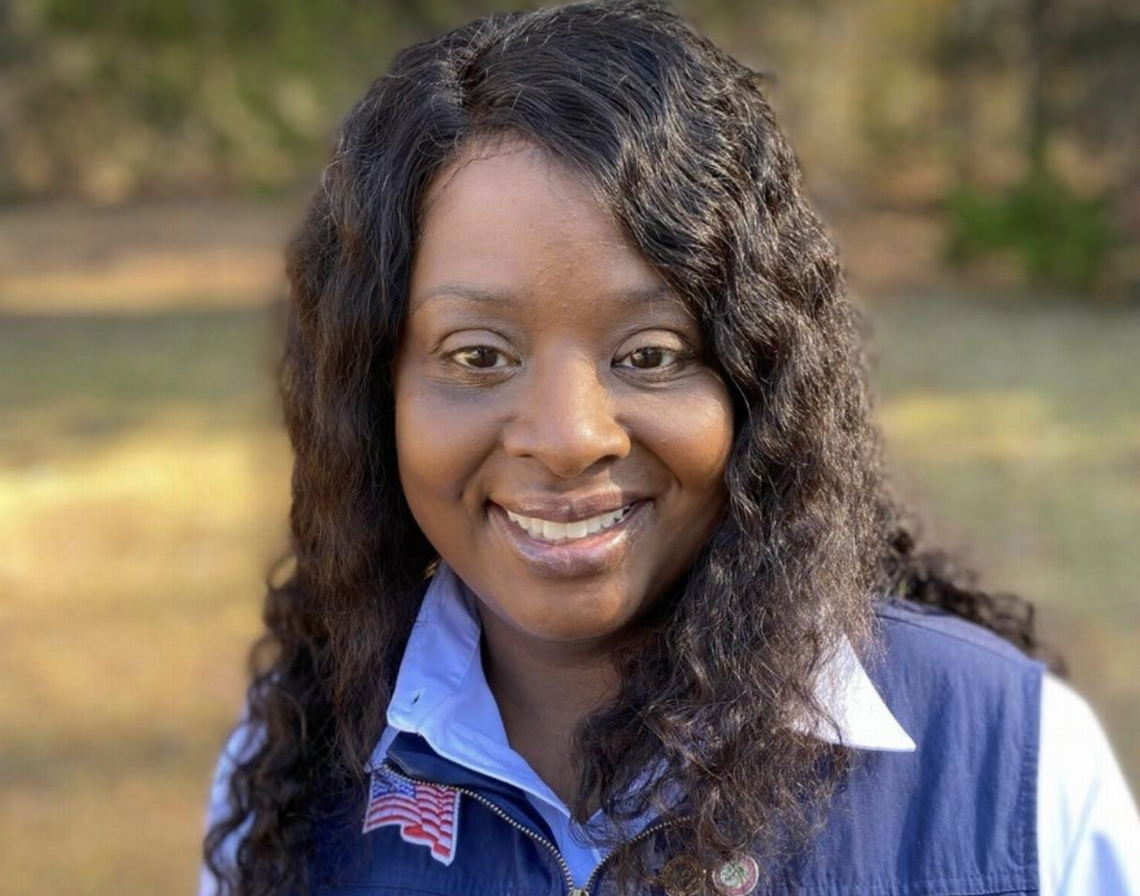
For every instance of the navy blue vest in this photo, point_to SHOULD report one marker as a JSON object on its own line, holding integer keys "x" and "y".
{"x": 957, "y": 817}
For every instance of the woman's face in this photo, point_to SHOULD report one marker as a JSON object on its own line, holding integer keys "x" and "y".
{"x": 560, "y": 441}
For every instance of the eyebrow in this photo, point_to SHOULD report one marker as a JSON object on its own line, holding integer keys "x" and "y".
{"x": 637, "y": 295}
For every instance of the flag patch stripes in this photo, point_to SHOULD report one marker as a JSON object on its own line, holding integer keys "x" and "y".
{"x": 426, "y": 814}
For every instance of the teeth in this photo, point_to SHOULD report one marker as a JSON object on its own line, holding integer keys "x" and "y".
{"x": 551, "y": 531}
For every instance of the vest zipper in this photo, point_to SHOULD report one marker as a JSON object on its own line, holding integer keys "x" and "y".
{"x": 482, "y": 800}
{"x": 652, "y": 829}
{"x": 554, "y": 851}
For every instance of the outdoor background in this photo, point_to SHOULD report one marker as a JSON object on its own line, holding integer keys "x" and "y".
{"x": 979, "y": 163}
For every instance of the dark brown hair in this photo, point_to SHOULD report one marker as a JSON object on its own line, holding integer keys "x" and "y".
{"x": 684, "y": 150}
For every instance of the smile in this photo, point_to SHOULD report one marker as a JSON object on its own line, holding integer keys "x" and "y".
{"x": 548, "y": 530}
{"x": 576, "y": 549}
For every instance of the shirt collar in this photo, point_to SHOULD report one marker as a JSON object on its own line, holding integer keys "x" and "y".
{"x": 442, "y": 695}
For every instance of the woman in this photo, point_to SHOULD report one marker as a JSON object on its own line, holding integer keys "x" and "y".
{"x": 599, "y": 586}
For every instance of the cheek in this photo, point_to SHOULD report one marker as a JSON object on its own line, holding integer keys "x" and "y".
{"x": 693, "y": 437}
{"x": 440, "y": 442}
{"x": 693, "y": 441}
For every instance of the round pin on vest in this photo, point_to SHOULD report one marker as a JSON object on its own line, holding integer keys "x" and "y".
{"x": 682, "y": 876}
{"x": 737, "y": 877}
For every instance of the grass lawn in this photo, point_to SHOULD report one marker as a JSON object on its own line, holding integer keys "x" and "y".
{"x": 143, "y": 492}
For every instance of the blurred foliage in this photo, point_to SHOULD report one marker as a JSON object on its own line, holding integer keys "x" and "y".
{"x": 1061, "y": 239}
{"x": 891, "y": 101}
{"x": 136, "y": 97}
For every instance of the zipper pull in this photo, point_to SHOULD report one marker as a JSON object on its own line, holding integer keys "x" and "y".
{"x": 579, "y": 891}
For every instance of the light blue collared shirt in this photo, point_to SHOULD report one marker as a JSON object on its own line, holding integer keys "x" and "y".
{"x": 1088, "y": 828}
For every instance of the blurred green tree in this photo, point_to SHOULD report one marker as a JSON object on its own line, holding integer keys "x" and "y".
{"x": 1070, "y": 199}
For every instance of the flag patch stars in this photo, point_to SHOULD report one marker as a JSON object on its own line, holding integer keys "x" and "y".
{"x": 426, "y": 814}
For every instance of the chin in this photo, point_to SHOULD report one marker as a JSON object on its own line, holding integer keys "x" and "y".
{"x": 571, "y": 626}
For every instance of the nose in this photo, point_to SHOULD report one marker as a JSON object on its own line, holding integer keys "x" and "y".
{"x": 565, "y": 419}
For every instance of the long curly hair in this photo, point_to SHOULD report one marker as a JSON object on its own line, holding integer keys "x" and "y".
{"x": 683, "y": 149}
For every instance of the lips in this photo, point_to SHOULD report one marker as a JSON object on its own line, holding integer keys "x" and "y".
{"x": 570, "y": 557}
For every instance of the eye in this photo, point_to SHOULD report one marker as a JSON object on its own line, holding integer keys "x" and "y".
{"x": 654, "y": 357}
{"x": 479, "y": 357}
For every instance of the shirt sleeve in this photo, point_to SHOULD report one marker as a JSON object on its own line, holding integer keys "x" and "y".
{"x": 1088, "y": 828}
{"x": 243, "y": 742}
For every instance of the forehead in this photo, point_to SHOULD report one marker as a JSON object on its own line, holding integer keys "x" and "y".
{"x": 500, "y": 177}
{"x": 506, "y": 214}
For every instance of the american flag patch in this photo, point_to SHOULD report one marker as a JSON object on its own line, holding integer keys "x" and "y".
{"x": 427, "y": 814}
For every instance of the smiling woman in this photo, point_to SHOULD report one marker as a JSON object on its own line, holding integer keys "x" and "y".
{"x": 522, "y": 422}
{"x": 599, "y": 583}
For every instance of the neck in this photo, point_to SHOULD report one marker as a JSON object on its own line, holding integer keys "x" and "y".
{"x": 545, "y": 679}
{"x": 543, "y": 691}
